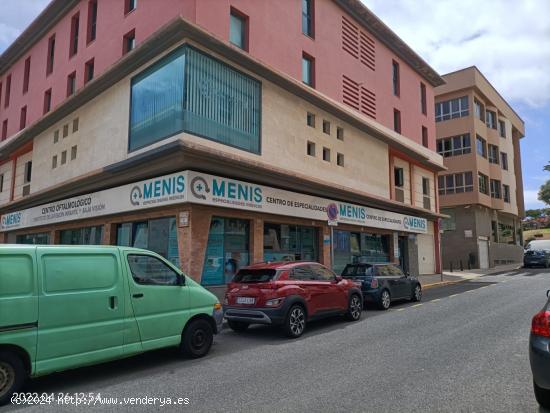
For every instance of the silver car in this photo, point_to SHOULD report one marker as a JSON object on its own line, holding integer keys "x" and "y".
{"x": 539, "y": 354}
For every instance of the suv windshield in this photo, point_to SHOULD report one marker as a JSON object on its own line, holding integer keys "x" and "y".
{"x": 254, "y": 276}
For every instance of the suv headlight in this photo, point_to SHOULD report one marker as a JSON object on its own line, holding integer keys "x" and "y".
{"x": 274, "y": 302}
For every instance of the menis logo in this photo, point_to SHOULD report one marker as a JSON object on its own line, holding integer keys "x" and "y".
{"x": 414, "y": 223}
{"x": 11, "y": 219}
{"x": 223, "y": 188}
{"x": 157, "y": 188}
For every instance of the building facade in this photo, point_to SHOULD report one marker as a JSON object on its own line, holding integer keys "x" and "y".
{"x": 478, "y": 135}
{"x": 198, "y": 138}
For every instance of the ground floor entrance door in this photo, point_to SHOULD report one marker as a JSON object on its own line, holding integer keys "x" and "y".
{"x": 483, "y": 247}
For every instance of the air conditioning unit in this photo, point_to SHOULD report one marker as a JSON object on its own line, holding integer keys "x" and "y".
{"x": 399, "y": 194}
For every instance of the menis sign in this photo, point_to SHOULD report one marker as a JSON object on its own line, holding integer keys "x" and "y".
{"x": 194, "y": 187}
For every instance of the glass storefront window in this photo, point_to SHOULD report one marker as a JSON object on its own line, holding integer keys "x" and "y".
{"x": 35, "y": 239}
{"x": 189, "y": 91}
{"x": 227, "y": 250}
{"x": 290, "y": 243}
{"x": 82, "y": 236}
{"x": 157, "y": 235}
{"x": 354, "y": 247}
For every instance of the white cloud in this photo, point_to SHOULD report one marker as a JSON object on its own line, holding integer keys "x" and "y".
{"x": 508, "y": 40}
{"x": 15, "y": 16}
{"x": 530, "y": 197}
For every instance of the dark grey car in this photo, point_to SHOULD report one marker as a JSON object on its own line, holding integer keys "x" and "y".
{"x": 539, "y": 354}
{"x": 537, "y": 253}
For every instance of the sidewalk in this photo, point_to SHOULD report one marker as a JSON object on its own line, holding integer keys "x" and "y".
{"x": 440, "y": 280}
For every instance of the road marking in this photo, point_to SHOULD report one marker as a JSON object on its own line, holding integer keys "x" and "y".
{"x": 436, "y": 300}
{"x": 522, "y": 273}
{"x": 400, "y": 309}
{"x": 417, "y": 305}
{"x": 453, "y": 295}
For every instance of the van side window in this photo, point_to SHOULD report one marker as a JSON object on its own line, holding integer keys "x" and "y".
{"x": 151, "y": 271}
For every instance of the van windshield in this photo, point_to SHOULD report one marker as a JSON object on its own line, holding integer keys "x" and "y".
{"x": 254, "y": 276}
{"x": 539, "y": 245}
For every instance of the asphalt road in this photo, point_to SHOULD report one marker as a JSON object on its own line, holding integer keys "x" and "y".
{"x": 464, "y": 349}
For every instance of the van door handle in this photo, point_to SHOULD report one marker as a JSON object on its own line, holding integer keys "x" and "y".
{"x": 112, "y": 302}
{"x": 138, "y": 295}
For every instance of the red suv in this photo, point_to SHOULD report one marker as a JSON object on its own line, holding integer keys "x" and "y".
{"x": 289, "y": 294}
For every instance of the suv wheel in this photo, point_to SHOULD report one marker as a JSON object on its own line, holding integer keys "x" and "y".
{"x": 197, "y": 338}
{"x": 295, "y": 322}
{"x": 417, "y": 293}
{"x": 385, "y": 300}
{"x": 238, "y": 326}
{"x": 542, "y": 396}
{"x": 355, "y": 308}
{"x": 12, "y": 376}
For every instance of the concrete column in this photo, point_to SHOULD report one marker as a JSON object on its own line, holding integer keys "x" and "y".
{"x": 109, "y": 234}
{"x": 325, "y": 247}
{"x": 195, "y": 242}
{"x": 412, "y": 250}
{"x": 256, "y": 246}
{"x": 55, "y": 237}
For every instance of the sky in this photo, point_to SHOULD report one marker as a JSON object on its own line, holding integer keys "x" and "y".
{"x": 508, "y": 40}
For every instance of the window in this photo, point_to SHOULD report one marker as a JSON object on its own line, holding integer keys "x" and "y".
{"x": 51, "y": 55}
{"x": 0, "y": 91}
{"x": 310, "y": 119}
{"x": 425, "y": 136}
{"x": 326, "y": 127}
{"x": 506, "y": 193}
{"x": 8, "y": 91}
{"x": 75, "y": 125}
{"x": 158, "y": 235}
{"x": 63, "y": 157}
{"x": 71, "y": 84}
{"x": 128, "y": 42}
{"x": 455, "y": 183}
{"x": 425, "y": 186}
{"x": 308, "y": 74}
{"x": 219, "y": 103}
{"x": 82, "y": 236}
{"x": 307, "y": 18}
{"x": 149, "y": 270}
{"x": 56, "y": 136}
{"x": 340, "y": 133}
{"x": 73, "y": 153}
{"x": 479, "y": 110}
{"x": 73, "y": 46}
{"x": 483, "y": 183}
{"x": 129, "y": 5}
{"x": 238, "y": 28}
{"x": 28, "y": 172}
{"x": 481, "y": 145}
{"x": 423, "y": 102}
{"x": 65, "y": 130}
{"x": 92, "y": 21}
{"x": 452, "y": 109}
{"x": 26, "y": 75}
{"x": 40, "y": 238}
{"x": 1, "y": 182}
{"x": 88, "y": 71}
{"x": 448, "y": 224}
{"x": 326, "y": 154}
{"x": 491, "y": 119}
{"x": 284, "y": 242}
{"x": 504, "y": 160}
{"x": 311, "y": 148}
{"x": 397, "y": 121}
{"x": 4, "y": 129}
{"x": 399, "y": 178}
{"x": 454, "y": 146}
{"x": 321, "y": 273}
{"x": 395, "y": 78}
{"x": 359, "y": 248}
{"x": 54, "y": 161}
{"x": 493, "y": 154}
{"x": 495, "y": 188}
{"x": 23, "y": 118}
{"x": 47, "y": 101}
{"x": 340, "y": 159}
{"x": 502, "y": 128}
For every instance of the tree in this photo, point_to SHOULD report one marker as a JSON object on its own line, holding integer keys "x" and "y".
{"x": 544, "y": 193}
{"x": 547, "y": 167}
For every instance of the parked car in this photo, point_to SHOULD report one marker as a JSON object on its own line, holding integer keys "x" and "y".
{"x": 289, "y": 294}
{"x": 63, "y": 307}
{"x": 539, "y": 354}
{"x": 383, "y": 283}
{"x": 537, "y": 252}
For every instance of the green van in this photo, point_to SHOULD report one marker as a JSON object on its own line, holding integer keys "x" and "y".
{"x": 63, "y": 307}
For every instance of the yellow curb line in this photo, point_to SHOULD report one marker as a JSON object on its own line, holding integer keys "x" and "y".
{"x": 416, "y": 305}
{"x": 441, "y": 284}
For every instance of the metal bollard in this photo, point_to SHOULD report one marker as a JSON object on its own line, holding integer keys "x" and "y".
{"x": 461, "y": 266}
{"x": 451, "y": 266}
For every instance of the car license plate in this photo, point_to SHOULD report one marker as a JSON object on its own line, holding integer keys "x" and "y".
{"x": 246, "y": 300}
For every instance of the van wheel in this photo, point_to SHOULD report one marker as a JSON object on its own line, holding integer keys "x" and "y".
{"x": 197, "y": 339}
{"x": 542, "y": 396}
{"x": 12, "y": 376}
{"x": 238, "y": 326}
